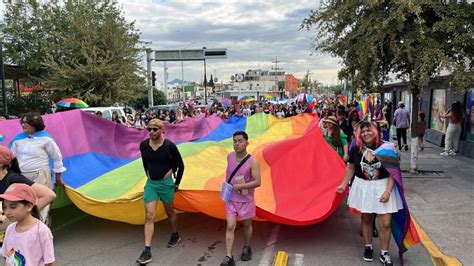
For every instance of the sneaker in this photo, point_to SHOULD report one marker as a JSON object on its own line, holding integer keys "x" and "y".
{"x": 368, "y": 254}
{"x": 445, "y": 153}
{"x": 144, "y": 258}
{"x": 452, "y": 153}
{"x": 174, "y": 240}
{"x": 385, "y": 259}
{"x": 246, "y": 254}
{"x": 228, "y": 261}
{"x": 406, "y": 147}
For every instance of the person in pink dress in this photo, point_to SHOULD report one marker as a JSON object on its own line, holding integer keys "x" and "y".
{"x": 241, "y": 202}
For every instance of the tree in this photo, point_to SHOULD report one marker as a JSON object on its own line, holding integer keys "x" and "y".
{"x": 210, "y": 83}
{"x": 37, "y": 101}
{"x": 141, "y": 102}
{"x": 76, "y": 48}
{"x": 413, "y": 40}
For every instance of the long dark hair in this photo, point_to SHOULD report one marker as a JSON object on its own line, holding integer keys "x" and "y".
{"x": 336, "y": 136}
{"x": 35, "y": 211}
{"x": 456, "y": 110}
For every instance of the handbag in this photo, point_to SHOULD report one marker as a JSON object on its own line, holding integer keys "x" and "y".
{"x": 226, "y": 188}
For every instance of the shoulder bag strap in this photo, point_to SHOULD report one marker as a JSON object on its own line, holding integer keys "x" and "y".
{"x": 238, "y": 167}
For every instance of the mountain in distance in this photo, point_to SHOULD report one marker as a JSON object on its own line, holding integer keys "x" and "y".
{"x": 177, "y": 81}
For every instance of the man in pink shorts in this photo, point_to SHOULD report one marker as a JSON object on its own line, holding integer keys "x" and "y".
{"x": 241, "y": 202}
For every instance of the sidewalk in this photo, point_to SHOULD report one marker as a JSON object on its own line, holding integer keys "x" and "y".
{"x": 442, "y": 203}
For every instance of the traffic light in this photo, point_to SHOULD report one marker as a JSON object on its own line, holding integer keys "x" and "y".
{"x": 153, "y": 78}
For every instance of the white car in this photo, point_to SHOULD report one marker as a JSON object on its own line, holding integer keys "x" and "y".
{"x": 107, "y": 111}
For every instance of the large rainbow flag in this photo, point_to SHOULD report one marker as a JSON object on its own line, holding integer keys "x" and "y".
{"x": 105, "y": 177}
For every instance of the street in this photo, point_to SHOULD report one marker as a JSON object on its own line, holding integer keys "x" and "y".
{"x": 442, "y": 205}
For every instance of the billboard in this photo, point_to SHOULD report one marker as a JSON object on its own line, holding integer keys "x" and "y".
{"x": 190, "y": 55}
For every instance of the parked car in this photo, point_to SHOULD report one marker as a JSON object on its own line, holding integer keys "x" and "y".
{"x": 107, "y": 111}
{"x": 156, "y": 109}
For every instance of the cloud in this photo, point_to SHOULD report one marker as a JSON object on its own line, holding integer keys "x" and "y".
{"x": 255, "y": 33}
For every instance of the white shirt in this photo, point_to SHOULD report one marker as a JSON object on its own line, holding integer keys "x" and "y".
{"x": 33, "y": 153}
{"x": 246, "y": 112}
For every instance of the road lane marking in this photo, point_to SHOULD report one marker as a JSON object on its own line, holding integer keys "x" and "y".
{"x": 267, "y": 254}
{"x": 281, "y": 259}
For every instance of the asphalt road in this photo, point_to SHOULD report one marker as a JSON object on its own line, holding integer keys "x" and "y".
{"x": 441, "y": 203}
{"x": 87, "y": 240}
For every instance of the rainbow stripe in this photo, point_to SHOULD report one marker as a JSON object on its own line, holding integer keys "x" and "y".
{"x": 105, "y": 175}
{"x": 403, "y": 227}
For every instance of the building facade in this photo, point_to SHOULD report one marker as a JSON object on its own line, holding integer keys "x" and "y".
{"x": 435, "y": 100}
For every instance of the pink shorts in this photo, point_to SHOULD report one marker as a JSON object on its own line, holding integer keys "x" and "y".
{"x": 245, "y": 210}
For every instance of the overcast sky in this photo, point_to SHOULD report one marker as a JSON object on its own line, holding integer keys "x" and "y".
{"x": 254, "y": 33}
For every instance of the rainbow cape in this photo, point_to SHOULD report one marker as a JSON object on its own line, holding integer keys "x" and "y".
{"x": 403, "y": 227}
{"x": 105, "y": 177}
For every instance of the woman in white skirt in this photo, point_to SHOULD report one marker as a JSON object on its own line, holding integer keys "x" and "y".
{"x": 373, "y": 190}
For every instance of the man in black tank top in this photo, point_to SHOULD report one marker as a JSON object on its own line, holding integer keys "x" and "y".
{"x": 161, "y": 159}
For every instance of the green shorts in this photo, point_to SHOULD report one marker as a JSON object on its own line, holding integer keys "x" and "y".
{"x": 159, "y": 190}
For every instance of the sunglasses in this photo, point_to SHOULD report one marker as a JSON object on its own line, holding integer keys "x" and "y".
{"x": 154, "y": 129}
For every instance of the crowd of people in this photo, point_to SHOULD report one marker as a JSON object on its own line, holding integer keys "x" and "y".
{"x": 26, "y": 184}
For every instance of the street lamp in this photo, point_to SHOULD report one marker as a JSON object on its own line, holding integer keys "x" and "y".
{"x": 2, "y": 77}
{"x": 205, "y": 78}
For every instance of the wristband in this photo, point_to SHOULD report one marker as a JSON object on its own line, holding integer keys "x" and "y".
{"x": 389, "y": 192}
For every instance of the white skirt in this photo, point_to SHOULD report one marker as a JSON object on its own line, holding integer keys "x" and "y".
{"x": 364, "y": 196}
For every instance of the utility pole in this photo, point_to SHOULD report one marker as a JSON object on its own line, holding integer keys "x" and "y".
{"x": 2, "y": 77}
{"x": 165, "y": 80}
{"x": 276, "y": 68}
{"x": 205, "y": 78}
{"x": 308, "y": 82}
{"x": 148, "y": 78}
{"x": 182, "y": 80}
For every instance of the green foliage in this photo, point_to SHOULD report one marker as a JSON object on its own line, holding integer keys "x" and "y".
{"x": 76, "y": 48}
{"x": 159, "y": 98}
{"x": 414, "y": 40}
{"x": 34, "y": 102}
